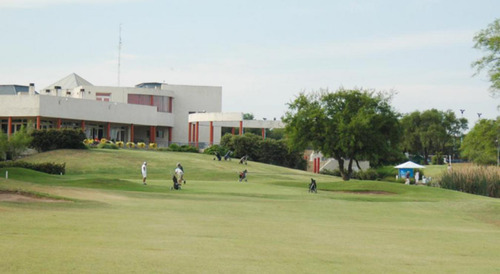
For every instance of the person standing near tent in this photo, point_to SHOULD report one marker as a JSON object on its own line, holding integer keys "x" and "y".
{"x": 417, "y": 177}
{"x": 407, "y": 182}
{"x": 144, "y": 171}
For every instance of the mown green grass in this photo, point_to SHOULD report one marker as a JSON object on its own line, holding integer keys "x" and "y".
{"x": 216, "y": 225}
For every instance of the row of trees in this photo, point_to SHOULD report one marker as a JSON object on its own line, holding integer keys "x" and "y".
{"x": 353, "y": 125}
{"x": 270, "y": 151}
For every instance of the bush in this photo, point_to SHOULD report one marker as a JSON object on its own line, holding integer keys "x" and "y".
{"x": 141, "y": 145}
{"x": 18, "y": 143}
{"x": 186, "y": 148}
{"x": 88, "y": 142}
{"x": 119, "y": 144}
{"x": 335, "y": 172}
{"x": 215, "y": 148}
{"x": 4, "y": 145}
{"x": 474, "y": 179}
{"x": 107, "y": 145}
{"x": 183, "y": 148}
{"x": 130, "y": 145}
{"x": 50, "y": 168}
{"x": 152, "y": 146}
{"x": 369, "y": 174}
{"x": 50, "y": 139}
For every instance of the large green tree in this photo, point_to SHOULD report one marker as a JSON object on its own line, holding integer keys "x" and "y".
{"x": 348, "y": 125}
{"x": 481, "y": 143}
{"x": 431, "y": 132}
{"x": 488, "y": 40}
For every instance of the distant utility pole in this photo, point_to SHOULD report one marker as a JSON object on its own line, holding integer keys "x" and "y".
{"x": 119, "y": 51}
{"x": 462, "y": 111}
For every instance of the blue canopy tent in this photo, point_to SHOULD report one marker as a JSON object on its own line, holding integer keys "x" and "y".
{"x": 407, "y": 167}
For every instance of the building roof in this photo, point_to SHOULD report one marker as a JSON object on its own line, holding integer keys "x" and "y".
{"x": 12, "y": 89}
{"x": 409, "y": 164}
{"x": 155, "y": 85}
{"x": 70, "y": 82}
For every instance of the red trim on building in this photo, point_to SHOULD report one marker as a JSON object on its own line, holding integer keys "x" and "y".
{"x": 59, "y": 122}
{"x": 170, "y": 104}
{"x": 197, "y": 134}
{"x": 152, "y": 100}
{"x": 38, "y": 120}
{"x": 189, "y": 133}
{"x": 241, "y": 127}
{"x": 9, "y": 127}
{"x": 83, "y": 125}
{"x": 211, "y": 133}
{"x": 232, "y": 131}
{"x": 263, "y": 134}
{"x": 193, "y": 139}
{"x": 152, "y": 135}
{"x": 169, "y": 135}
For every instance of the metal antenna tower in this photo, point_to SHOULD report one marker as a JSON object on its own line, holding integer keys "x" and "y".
{"x": 119, "y": 51}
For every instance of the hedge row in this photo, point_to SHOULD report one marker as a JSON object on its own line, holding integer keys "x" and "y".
{"x": 50, "y": 168}
{"x": 50, "y": 139}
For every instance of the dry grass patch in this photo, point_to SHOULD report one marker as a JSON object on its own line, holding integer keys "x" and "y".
{"x": 25, "y": 197}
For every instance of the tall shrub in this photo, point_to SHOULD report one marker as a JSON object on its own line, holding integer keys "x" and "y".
{"x": 473, "y": 179}
{"x": 4, "y": 145}
{"x": 19, "y": 142}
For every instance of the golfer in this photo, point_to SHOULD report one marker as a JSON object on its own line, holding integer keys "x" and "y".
{"x": 179, "y": 173}
{"x": 144, "y": 172}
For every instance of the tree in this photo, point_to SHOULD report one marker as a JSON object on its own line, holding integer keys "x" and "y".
{"x": 348, "y": 125}
{"x": 19, "y": 142}
{"x": 480, "y": 144}
{"x": 268, "y": 151}
{"x": 488, "y": 40}
{"x": 4, "y": 146}
{"x": 431, "y": 132}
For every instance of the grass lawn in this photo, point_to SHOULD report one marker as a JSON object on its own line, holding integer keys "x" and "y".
{"x": 109, "y": 222}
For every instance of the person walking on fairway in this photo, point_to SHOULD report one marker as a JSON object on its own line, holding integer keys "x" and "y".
{"x": 144, "y": 172}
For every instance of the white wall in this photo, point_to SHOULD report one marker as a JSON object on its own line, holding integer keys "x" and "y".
{"x": 84, "y": 106}
{"x": 197, "y": 99}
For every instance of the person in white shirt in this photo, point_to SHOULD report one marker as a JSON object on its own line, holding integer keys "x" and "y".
{"x": 179, "y": 173}
{"x": 144, "y": 172}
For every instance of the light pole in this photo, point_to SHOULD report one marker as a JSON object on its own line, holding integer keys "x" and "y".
{"x": 498, "y": 152}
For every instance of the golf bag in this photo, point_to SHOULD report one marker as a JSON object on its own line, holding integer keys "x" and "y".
{"x": 312, "y": 186}
{"x": 176, "y": 185}
{"x": 228, "y": 156}
{"x": 243, "y": 175}
{"x": 244, "y": 159}
{"x": 217, "y": 154}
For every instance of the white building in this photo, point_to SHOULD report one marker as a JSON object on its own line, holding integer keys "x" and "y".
{"x": 149, "y": 112}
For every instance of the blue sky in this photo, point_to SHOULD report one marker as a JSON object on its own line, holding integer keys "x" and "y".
{"x": 262, "y": 53}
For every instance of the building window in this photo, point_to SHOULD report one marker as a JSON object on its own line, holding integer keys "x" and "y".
{"x": 162, "y": 103}
{"x": 139, "y": 99}
{"x": 103, "y": 97}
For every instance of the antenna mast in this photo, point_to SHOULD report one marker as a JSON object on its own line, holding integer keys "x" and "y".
{"x": 119, "y": 51}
